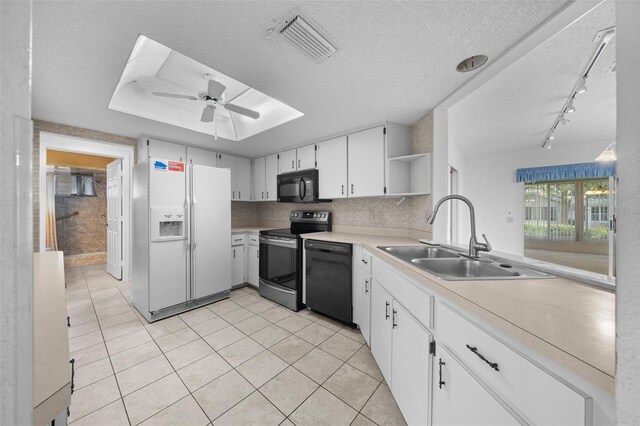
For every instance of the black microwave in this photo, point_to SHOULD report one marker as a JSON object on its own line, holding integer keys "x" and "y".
{"x": 298, "y": 187}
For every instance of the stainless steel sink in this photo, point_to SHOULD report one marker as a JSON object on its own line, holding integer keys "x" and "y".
{"x": 419, "y": 252}
{"x": 465, "y": 269}
{"x": 451, "y": 266}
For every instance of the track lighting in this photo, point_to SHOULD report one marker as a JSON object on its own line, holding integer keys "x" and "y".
{"x": 563, "y": 120}
{"x": 551, "y": 137}
{"x": 570, "y": 107}
{"x": 582, "y": 85}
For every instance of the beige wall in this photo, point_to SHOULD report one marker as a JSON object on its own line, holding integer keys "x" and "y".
{"x": 62, "y": 129}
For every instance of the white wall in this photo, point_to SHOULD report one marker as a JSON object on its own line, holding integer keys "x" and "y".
{"x": 628, "y": 244}
{"x": 16, "y": 248}
{"x": 489, "y": 181}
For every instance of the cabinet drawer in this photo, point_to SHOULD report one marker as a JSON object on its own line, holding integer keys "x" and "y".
{"x": 238, "y": 239}
{"x": 253, "y": 239}
{"x": 417, "y": 302}
{"x": 365, "y": 261}
{"x": 532, "y": 391}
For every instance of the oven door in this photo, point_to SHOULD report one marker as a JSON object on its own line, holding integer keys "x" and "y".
{"x": 298, "y": 187}
{"x": 279, "y": 261}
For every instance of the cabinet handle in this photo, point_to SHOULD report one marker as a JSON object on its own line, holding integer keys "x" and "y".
{"x": 258, "y": 254}
{"x": 68, "y": 322}
{"x": 364, "y": 261}
{"x": 263, "y": 195}
{"x": 342, "y": 189}
{"x": 298, "y": 163}
{"x": 234, "y": 253}
{"x": 233, "y": 196}
{"x": 440, "y": 381}
{"x": 239, "y": 195}
{"x": 366, "y": 286}
{"x": 267, "y": 195}
{"x": 352, "y": 188}
{"x": 386, "y": 310}
{"x": 493, "y": 365}
{"x": 73, "y": 373}
{"x": 394, "y": 320}
{"x": 293, "y": 165}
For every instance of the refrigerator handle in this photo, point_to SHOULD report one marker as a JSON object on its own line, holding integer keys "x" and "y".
{"x": 194, "y": 222}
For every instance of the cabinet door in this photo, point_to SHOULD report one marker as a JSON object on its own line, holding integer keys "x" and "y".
{"x": 243, "y": 179}
{"x": 410, "y": 366}
{"x": 307, "y": 157}
{"x": 366, "y": 163}
{"x": 287, "y": 161}
{"x": 237, "y": 265}
{"x": 271, "y": 177}
{"x": 253, "y": 261}
{"x": 356, "y": 277}
{"x": 258, "y": 179}
{"x": 459, "y": 399}
{"x": 365, "y": 298}
{"x": 332, "y": 168}
{"x": 229, "y": 162}
{"x": 202, "y": 157}
{"x": 166, "y": 150}
{"x": 381, "y": 328}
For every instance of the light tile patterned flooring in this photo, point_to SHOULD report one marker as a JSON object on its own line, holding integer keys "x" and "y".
{"x": 241, "y": 361}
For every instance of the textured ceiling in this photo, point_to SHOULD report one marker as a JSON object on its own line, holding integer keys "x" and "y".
{"x": 515, "y": 110}
{"x": 396, "y": 62}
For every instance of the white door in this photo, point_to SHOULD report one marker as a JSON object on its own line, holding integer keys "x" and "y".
{"x": 287, "y": 161}
{"x": 458, "y": 399}
{"x": 229, "y": 162}
{"x": 202, "y": 157}
{"x": 237, "y": 265}
{"x": 332, "y": 168}
{"x": 258, "y": 179}
{"x": 381, "y": 328}
{"x": 306, "y": 157}
{"x": 253, "y": 262}
{"x": 271, "y": 177}
{"x": 366, "y": 163}
{"x": 210, "y": 231}
{"x": 243, "y": 179}
{"x": 114, "y": 219}
{"x": 410, "y": 366}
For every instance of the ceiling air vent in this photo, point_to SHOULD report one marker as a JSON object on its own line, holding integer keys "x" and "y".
{"x": 308, "y": 37}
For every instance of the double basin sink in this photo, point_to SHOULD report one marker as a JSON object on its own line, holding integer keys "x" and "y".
{"x": 452, "y": 266}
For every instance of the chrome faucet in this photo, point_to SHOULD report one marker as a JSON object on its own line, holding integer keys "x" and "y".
{"x": 474, "y": 245}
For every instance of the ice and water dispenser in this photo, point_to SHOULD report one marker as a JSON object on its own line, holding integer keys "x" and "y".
{"x": 167, "y": 224}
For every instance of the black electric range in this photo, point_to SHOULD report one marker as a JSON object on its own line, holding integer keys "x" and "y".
{"x": 280, "y": 267}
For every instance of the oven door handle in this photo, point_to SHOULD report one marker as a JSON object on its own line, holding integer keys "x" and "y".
{"x": 288, "y": 243}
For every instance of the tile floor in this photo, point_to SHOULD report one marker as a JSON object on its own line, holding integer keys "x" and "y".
{"x": 241, "y": 361}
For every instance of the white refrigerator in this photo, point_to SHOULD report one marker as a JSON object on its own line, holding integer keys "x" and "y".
{"x": 181, "y": 237}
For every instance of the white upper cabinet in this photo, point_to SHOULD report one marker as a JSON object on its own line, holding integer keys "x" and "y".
{"x": 287, "y": 161}
{"x": 306, "y": 157}
{"x": 161, "y": 149}
{"x": 227, "y": 161}
{"x": 366, "y": 158}
{"x": 243, "y": 179}
{"x": 202, "y": 157}
{"x": 271, "y": 177}
{"x": 259, "y": 188}
{"x": 331, "y": 156}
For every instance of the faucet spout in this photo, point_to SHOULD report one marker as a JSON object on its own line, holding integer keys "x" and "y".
{"x": 474, "y": 246}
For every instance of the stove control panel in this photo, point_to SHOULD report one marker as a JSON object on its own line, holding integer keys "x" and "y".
{"x": 310, "y": 216}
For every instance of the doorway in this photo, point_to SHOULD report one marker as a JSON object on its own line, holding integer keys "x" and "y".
{"x": 85, "y": 201}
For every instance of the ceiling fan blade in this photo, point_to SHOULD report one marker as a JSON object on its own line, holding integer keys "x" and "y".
{"x": 215, "y": 89}
{"x": 242, "y": 111}
{"x": 207, "y": 114}
{"x": 174, "y": 95}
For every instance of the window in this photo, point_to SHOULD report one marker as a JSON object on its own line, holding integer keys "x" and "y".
{"x": 552, "y": 213}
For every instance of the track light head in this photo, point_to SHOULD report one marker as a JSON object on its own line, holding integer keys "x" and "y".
{"x": 582, "y": 85}
{"x": 570, "y": 108}
{"x": 563, "y": 120}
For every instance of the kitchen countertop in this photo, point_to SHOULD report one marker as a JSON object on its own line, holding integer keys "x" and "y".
{"x": 51, "y": 370}
{"x": 250, "y": 229}
{"x": 566, "y": 321}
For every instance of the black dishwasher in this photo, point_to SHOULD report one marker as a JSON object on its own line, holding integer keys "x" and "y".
{"x": 328, "y": 276}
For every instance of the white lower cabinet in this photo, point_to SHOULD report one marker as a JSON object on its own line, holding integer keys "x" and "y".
{"x": 381, "y": 328}
{"x": 253, "y": 264}
{"x": 410, "y": 366}
{"x": 365, "y": 296}
{"x": 459, "y": 399}
{"x": 238, "y": 265}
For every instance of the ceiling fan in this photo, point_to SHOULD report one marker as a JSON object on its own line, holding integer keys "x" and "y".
{"x": 213, "y": 97}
